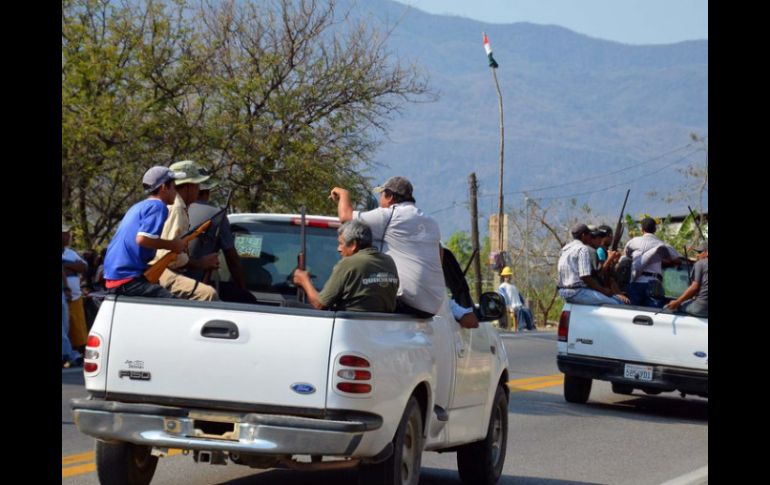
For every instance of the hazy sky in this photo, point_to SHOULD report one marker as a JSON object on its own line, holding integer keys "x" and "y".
{"x": 627, "y": 21}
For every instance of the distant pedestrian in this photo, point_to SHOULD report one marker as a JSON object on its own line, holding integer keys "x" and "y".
{"x": 74, "y": 266}
{"x": 69, "y": 356}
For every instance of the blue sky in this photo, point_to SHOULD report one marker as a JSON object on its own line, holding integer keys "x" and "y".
{"x": 626, "y": 21}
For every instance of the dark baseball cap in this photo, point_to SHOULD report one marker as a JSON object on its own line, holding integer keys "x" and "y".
{"x": 397, "y": 185}
{"x": 578, "y": 230}
{"x": 159, "y": 175}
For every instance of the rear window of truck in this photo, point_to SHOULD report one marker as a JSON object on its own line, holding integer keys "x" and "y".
{"x": 269, "y": 250}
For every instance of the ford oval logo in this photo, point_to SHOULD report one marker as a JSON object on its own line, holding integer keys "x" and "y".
{"x": 303, "y": 388}
{"x": 700, "y": 354}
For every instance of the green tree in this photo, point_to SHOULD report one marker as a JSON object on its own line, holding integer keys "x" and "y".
{"x": 280, "y": 98}
{"x": 129, "y": 84}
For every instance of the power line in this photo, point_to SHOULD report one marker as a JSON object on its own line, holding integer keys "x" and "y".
{"x": 454, "y": 203}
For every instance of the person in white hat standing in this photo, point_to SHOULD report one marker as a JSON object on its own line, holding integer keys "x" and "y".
{"x": 511, "y": 295}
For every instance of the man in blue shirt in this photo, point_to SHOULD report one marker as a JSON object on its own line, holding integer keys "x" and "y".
{"x": 138, "y": 238}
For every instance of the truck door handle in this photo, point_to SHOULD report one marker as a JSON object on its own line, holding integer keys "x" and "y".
{"x": 642, "y": 320}
{"x": 220, "y": 329}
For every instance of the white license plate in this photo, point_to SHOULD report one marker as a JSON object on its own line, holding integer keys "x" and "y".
{"x": 638, "y": 372}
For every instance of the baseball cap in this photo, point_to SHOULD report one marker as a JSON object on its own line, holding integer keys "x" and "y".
{"x": 159, "y": 175}
{"x": 397, "y": 185}
{"x": 193, "y": 174}
{"x": 578, "y": 230}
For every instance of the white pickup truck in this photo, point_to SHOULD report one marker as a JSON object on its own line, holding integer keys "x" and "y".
{"x": 633, "y": 347}
{"x": 279, "y": 384}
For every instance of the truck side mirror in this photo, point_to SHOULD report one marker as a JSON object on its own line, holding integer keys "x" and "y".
{"x": 491, "y": 306}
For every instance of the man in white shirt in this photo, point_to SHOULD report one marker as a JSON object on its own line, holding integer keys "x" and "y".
{"x": 649, "y": 256}
{"x": 410, "y": 237}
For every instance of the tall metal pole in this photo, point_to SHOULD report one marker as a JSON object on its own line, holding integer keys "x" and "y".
{"x": 475, "y": 235}
{"x": 502, "y": 150}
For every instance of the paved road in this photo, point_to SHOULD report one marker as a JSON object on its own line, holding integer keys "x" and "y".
{"x": 613, "y": 439}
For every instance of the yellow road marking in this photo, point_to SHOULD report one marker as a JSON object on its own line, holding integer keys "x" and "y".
{"x": 72, "y": 459}
{"x": 533, "y": 383}
{"x": 78, "y": 470}
{"x": 70, "y": 471}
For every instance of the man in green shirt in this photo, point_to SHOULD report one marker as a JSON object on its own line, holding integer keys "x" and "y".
{"x": 364, "y": 280}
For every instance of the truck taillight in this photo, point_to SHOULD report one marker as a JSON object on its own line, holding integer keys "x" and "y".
{"x": 356, "y": 368}
{"x": 93, "y": 354}
{"x": 354, "y": 388}
{"x": 355, "y": 375}
{"x": 563, "y": 326}
{"x": 354, "y": 361}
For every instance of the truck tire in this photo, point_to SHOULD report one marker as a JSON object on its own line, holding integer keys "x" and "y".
{"x": 124, "y": 463}
{"x": 576, "y": 389}
{"x": 482, "y": 462}
{"x": 403, "y": 466}
{"x": 622, "y": 389}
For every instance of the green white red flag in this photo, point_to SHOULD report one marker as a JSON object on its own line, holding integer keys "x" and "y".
{"x": 488, "y": 49}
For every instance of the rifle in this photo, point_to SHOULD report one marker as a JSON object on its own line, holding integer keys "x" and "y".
{"x": 473, "y": 255}
{"x": 619, "y": 226}
{"x": 153, "y": 272}
{"x": 301, "y": 297}
{"x": 697, "y": 224}
{"x": 216, "y": 234}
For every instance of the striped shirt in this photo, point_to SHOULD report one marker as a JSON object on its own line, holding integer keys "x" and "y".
{"x": 647, "y": 256}
{"x": 574, "y": 263}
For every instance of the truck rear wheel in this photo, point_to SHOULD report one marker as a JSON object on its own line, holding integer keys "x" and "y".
{"x": 576, "y": 389}
{"x": 124, "y": 463}
{"x": 403, "y": 466}
{"x": 482, "y": 462}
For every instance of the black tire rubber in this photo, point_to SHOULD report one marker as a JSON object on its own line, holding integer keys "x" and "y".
{"x": 124, "y": 463}
{"x": 622, "y": 389}
{"x": 408, "y": 443}
{"x": 576, "y": 389}
{"x": 482, "y": 462}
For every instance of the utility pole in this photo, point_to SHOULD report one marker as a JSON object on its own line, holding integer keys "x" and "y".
{"x": 475, "y": 234}
{"x": 526, "y": 244}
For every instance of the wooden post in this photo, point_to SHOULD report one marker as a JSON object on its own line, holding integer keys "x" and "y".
{"x": 475, "y": 235}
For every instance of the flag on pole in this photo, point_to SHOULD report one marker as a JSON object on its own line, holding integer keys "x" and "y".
{"x": 492, "y": 62}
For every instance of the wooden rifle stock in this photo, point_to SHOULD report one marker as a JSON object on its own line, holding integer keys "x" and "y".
{"x": 619, "y": 225}
{"x": 153, "y": 272}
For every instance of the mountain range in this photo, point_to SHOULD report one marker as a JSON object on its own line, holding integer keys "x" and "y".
{"x": 589, "y": 116}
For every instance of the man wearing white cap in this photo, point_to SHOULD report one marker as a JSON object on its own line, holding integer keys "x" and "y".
{"x": 177, "y": 224}
{"x": 409, "y": 236}
{"x": 139, "y": 236}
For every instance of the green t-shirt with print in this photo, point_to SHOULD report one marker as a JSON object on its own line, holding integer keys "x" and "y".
{"x": 366, "y": 281}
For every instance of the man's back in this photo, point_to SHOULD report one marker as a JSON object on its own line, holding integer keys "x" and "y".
{"x": 412, "y": 239}
{"x": 366, "y": 281}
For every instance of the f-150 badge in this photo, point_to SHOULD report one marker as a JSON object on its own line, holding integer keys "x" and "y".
{"x": 135, "y": 375}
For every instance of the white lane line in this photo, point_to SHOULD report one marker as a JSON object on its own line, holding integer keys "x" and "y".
{"x": 700, "y": 475}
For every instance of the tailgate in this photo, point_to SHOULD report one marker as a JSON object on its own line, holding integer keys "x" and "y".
{"x": 213, "y": 352}
{"x": 637, "y": 334}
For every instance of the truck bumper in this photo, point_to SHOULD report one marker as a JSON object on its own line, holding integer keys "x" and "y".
{"x": 664, "y": 378}
{"x": 264, "y": 434}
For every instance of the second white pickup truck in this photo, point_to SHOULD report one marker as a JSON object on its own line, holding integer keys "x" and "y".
{"x": 633, "y": 347}
{"x": 281, "y": 385}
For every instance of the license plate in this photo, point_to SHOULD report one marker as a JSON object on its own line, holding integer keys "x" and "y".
{"x": 638, "y": 372}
